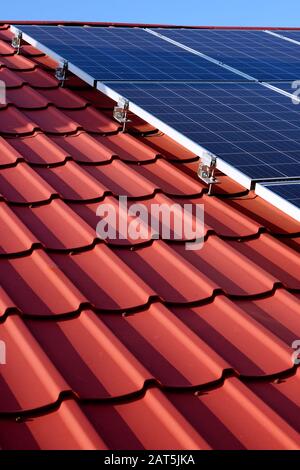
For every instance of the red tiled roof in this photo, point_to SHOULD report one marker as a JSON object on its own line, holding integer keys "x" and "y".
{"x": 127, "y": 344}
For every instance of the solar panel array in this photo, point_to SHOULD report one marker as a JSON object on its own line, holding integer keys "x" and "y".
{"x": 250, "y": 127}
{"x": 192, "y": 82}
{"x": 125, "y": 54}
{"x": 256, "y": 53}
{"x": 295, "y": 35}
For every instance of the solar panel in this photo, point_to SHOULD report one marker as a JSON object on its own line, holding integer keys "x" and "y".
{"x": 205, "y": 92}
{"x": 286, "y": 86}
{"x": 250, "y": 127}
{"x": 124, "y": 54}
{"x": 295, "y": 35}
{"x": 256, "y": 53}
{"x": 284, "y": 195}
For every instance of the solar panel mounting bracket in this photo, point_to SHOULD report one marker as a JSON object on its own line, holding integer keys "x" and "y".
{"x": 206, "y": 170}
{"x": 16, "y": 41}
{"x": 61, "y": 72}
{"x": 120, "y": 112}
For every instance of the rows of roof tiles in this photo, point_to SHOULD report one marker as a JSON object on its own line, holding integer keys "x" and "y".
{"x": 178, "y": 347}
{"x": 237, "y": 416}
{"x": 115, "y": 337}
{"x": 59, "y": 283}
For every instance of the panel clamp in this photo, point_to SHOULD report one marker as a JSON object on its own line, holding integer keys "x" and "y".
{"x": 206, "y": 170}
{"x": 16, "y": 42}
{"x": 61, "y": 72}
{"x": 121, "y": 111}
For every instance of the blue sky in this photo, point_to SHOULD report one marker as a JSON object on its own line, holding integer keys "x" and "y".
{"x": 197, "y": 12}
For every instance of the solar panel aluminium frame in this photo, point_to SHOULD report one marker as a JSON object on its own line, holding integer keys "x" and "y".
{"x": 222, "y": 64}
{"x": 195, "y": 148}
{"x": 205, "y": 155}
{"x": 262, "y": 190}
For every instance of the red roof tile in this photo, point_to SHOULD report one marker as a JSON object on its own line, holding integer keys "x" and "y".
{"x": 111, "y": 339}
{"x": 174, "y": 421}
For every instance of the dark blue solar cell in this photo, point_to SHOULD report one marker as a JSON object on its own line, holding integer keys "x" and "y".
{"x": 289, "y": 191}
{"x": 247, "y": 125}
{"x": 246, "y": 140}
{"x": 256, "y": 53}
{"x": 295, "y": 35}
{"x": 124, "y": 54}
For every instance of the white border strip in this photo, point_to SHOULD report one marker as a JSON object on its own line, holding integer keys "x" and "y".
{"x": 282, "y": 92}
{"x": 281, "y": 36}
{"x": 268, "y": 195}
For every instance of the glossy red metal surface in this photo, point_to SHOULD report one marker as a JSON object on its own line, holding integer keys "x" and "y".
{"x": 133, "y": 344}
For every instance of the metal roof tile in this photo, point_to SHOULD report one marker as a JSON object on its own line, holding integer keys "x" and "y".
{"x": 37, "y": 78}
{"x": 37, "y": 149}
{"x": 25, "y": 98}
{"x": 52, "y": 120}
{"x": 104, "y": 278}
{"x": 14, "y": 236}
{"x": 166, "y": 147}
{"x": 178, "y": 275}
{"x": 247, "y": 337}
{"x": 273, "y": 219}
{"x": 56, "y": 226}
{"x": 86, "y": 148}
{"x": 62, "y": 98}
{"x": 92, "y": 120}
{"x": 169, "y": 421}
{"x": 17, "y": 62}
{"x": 11, "y": 79}
{"x": 22, "y": 184}
{"x": 13, "y": 121}
{"x": 35, "y": 371}
{"x": 67, "y": 428}
{"x": 43, "y": 289}
{"x": 6, "y": 49}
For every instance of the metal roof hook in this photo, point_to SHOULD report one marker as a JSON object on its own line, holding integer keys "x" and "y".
{"x": 120, "y": 112}
{"x": 61, "y": 72}
{"x": 16, "y": 42}
{"x": 206, "y": 171}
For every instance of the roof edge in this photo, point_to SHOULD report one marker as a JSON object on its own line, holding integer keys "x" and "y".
{"x": 142, "y": 25}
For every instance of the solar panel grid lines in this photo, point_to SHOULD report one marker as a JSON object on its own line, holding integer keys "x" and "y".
{"x": 286, "y": 90}
{"x": 207, "y": 90}
{"x": 291, "y": 36}
{"x": 251, "y": 52}
{"x": 284, "y": 195}
{"x": 288, "y": 190}
{"x": 101, "y": 52}
{"x": 115, "y": 69}
{"x": 220, "y": 118}
{"x": 201, "y": 54}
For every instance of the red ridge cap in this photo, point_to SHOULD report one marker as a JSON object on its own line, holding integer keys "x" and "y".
{"x": 144, "y": 25}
